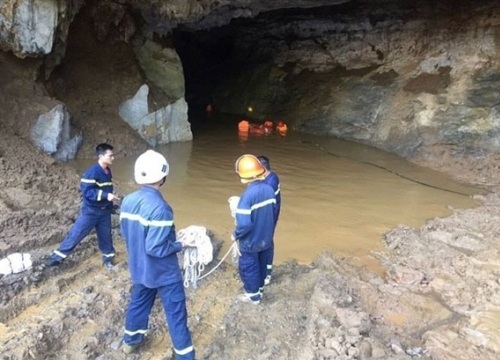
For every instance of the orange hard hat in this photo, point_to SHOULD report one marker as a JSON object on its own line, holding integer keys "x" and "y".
{"x": 249, "y": 168}
{"x": 243, "y": 125}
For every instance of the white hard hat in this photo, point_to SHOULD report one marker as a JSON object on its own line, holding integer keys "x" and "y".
{"x": 150, "y": 168}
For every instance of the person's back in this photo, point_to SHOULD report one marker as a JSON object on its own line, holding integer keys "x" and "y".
{"x": 147, "y": 224}
{"x": 149, "y": 231}
{"x": 273, "y": 180}
{"x": 255, "y": 217}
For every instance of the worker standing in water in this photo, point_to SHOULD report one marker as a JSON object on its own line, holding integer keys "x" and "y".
{"x": 255, "y": 221}
{"x": 272, "y": 179}
{"x": 96, "y": 186}
{"x": 147, "y": 224}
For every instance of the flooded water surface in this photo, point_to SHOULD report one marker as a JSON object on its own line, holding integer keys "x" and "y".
{"x": 337, "y": 196}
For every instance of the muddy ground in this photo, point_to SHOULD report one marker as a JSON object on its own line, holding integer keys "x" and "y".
{"x": 437, "y": 296}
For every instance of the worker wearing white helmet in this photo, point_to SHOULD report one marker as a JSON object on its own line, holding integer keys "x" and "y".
{"x": 147, "y": 224}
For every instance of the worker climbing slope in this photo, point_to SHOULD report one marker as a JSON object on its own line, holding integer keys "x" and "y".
{"x": 255, "y": 222}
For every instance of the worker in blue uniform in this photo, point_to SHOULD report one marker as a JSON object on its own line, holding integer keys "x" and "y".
{"x": 147, "y": 224}
{"x": 98, "y": 199}
{"x": 254, "y": 231}
{"x": 272, "y": 179}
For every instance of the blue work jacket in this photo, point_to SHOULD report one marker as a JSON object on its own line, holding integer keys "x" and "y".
{"x": 147, "y": 224}
{"x": 255, "y": 217}
{"x": 273, "y": 180}
{"x": 95, "y": 185}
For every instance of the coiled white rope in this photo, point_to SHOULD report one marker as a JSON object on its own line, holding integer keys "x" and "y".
{"x": 198, "y": 256}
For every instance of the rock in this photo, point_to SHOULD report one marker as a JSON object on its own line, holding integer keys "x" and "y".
{"x": 28, "y": 27}
{"x": 168, "y": 124}
{"x": 52, "y": 134}
{"x": 365, "y": 350}
{"x": 163, "y": 67}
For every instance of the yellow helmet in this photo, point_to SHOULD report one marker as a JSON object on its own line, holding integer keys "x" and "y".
{"x": 249, "y": 168}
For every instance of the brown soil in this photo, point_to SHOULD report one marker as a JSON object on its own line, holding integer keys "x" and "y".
{"x": 438, "y": 296}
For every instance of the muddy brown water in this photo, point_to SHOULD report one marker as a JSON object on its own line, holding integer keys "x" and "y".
{"x": 337, "y": 196}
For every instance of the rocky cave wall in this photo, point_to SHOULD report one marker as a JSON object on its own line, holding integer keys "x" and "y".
{"x": 402, "y": 76}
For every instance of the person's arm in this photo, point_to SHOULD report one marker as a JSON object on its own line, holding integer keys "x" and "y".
{"x": 243, "y": 218}
{"x": 161, "y": 238}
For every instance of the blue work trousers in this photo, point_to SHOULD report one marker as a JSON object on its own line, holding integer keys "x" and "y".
{"x": 253, "y": 271}
{"x": 90, "y": 218}
{"x": 173, "y": 299}
{"x": 270, "y": 259}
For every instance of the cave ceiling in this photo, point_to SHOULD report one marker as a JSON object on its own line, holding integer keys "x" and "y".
{"x": 163, "y": 16}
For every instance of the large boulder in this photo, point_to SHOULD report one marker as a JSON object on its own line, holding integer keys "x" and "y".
{"x": 163, "y": 67}
{"x": 167, "y": 124}
{"x": 52, "y": 134}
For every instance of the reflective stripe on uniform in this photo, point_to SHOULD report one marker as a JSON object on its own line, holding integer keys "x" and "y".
{"x": 184, "y": 351}
{"x": 58, "y": 253}
{"x": 99, "y": 195}
{"x": 142, "y": 221}
{"x": 243, "y": 211}
{"x": 109, "y": 255}
{"x": 104, "y": 184}
{"x": 269, "y": 266}
{"x": 88, "y": 181}
{"x": 132, "y": 333}
{"x": 255, "y": 206}
{"x": 263, "y": 203}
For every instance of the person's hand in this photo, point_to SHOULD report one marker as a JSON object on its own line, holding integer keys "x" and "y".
{"x": 188, "y": 243}
{"x": 114, "y": 199}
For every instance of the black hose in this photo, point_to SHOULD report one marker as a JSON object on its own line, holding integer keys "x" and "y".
{"x": 387, "y": 169}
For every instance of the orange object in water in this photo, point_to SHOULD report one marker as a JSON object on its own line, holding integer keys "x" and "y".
{"x": 282, "y": 128}
{"x": 243, "y": 136}
{"x": 258, "y": 129}
{"x": 243, "y": 126}
{"x": 268, "y": 125}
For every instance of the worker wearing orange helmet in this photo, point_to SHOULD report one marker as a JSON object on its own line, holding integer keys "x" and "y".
{"x": 255, "y": 223}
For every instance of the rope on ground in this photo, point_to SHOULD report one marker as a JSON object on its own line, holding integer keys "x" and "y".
{"x": 197, "y": 257}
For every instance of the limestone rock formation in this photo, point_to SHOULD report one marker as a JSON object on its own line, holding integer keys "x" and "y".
{"x": 162, "y": 66}
{"x": 52, "y": 134}
{"x": 28, "y": 27}
{"x": 168, "y": 124}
